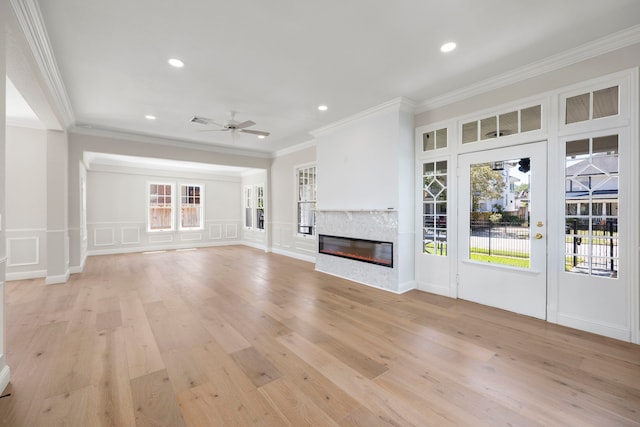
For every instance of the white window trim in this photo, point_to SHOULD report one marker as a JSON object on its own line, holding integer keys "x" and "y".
{"x": 173, "y": 206}
{"x": 179, "y": 204}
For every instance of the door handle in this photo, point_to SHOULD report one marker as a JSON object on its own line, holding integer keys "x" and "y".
{"x": 538, "y": 236}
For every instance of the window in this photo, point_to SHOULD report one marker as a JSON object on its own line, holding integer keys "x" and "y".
{"x": 260, "y": 207}
{"x": 591, "y": 206}
{"x": 248, "y": 208}
{"x": 306, "y": 178}
{"x": 160, "y": 207}
{"x": 434, "y": 140}
{"x": 592, "y": 105}
{"x": 498, "y": 126}
{"x": 434, "y": 207}
{"x": 191, "y": 206}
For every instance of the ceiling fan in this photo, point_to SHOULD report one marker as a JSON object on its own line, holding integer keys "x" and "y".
{"x": 230, "y": 125}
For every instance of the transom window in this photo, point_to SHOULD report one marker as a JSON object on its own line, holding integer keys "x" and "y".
{"x": 501, "y": 125}
{"x": 592, "y": 105}
{"x": 434, "y": 140}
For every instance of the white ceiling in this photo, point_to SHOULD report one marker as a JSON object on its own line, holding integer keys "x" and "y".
{"x": 275, "y": 61}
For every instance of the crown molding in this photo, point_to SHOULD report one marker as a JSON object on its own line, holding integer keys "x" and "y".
{"x": 619, "y": 40}
{"x": 152, "y": 139}
{"x": 30, "y": 19}
{"x": 401, "y": 103}
{"x": 295, "y": 148}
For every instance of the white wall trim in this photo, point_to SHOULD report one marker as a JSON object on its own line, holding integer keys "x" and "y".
{"x": 129, "y": 242}
{"x": 5, "y": 377}
{"x": 26, "y": 275}
{"x": 583, "y": 324}
{"x": 363, "y": 283}
{"x": 400, "y": 103}
{"x": 54, "y": 280}
{"x": 295, "y": 255}
{"x": 28, "y": 15}
{"x": 231, "y": 231}
{"x": 36, "y": 251}
{"x": 115, "y": 251}
{"x": 95, "y": 236}
{"x": 217, "y": 235}
{"x": 193, "y": 237}
{"x": 593, "y": 49}
{"x": 255, "y": 246}
{"x": 295, "y": 148}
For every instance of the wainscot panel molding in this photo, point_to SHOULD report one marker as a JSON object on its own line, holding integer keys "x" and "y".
{"x": 104, "y": 236}
{"x": 130, "y": 235}
{"x": 22, "y": 251}
{"x": 215, "y": 231}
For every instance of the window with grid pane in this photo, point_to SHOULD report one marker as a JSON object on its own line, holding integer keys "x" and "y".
{"x": 306, "y": 178}
{"x": 191, "y": 206}
{"x": 591, "y": 206}
{"x": 434, "y": 207}
{"x": 160, "y": 207}
{"x": 260, "y": 207}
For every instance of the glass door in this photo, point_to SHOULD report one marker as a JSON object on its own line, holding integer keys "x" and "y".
{"x": 502, "y": 217}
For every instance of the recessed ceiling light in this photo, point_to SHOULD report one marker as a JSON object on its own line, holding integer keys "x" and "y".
{"x": 323, "y": 107}
{"x": 150, "y": 117}
{"x": 175, "y": 62}
{"x": 448, "y": 47}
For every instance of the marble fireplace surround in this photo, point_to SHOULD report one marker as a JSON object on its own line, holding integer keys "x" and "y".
{"x": 380, "y": 225}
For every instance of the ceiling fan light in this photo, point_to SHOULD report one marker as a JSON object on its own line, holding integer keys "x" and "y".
{"x": 150, "y": 117}
{"x": 261, "y": 137}
{"x": 323, "y": 107}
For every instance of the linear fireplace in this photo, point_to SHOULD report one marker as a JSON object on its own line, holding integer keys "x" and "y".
{"x": 371, "y": 251}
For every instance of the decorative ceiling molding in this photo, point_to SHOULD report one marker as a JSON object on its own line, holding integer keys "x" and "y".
{"x": 295, "y": 148}
{"x": 401, "y": 104}
{"x": 28, "y": 15}
{"x": 587, "y": 51}
{"x": 151, "y": 139}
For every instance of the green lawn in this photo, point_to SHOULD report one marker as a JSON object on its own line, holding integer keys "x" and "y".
{"x": 503, "y": 260}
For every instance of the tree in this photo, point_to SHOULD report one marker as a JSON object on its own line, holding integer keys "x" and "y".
{"x": 486, "y": 184}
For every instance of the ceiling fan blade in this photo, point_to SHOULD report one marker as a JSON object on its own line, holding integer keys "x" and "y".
{"x": 255, "y": 132}
{"x": 215, "y": 130}
{"x": 245, "y": 124}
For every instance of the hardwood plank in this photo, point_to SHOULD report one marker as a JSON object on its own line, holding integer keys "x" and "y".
{"x": 110, "y": 402}
{"x": 259, "y": 370}
{"x": 154, "y": 401}
{"x": 143, "y": 355}
{"x": 67, "y": 409}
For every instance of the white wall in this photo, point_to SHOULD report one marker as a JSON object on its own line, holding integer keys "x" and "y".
{"x": 117, "y": 211}
{"x": 281, "y": 209}
{"x": 26, "y": 203}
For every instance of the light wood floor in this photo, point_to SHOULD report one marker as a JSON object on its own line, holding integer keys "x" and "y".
{"x": 234, "y": 336}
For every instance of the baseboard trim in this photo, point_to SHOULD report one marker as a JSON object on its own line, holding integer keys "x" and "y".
{"x": 435, "y": 289}
{"x": 26, "y": 275}
{"x": 260, "y": 246}
{"x": 295, "y": 255}
{"x": 54, "y": 280}
{"x": 610, "y": 331}
{"x": 5, "y": 377}
{"x": 116, "y": 251}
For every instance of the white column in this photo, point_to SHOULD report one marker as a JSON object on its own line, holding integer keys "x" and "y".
{"x": 4, "y": 368}
{"x": 57, "y": 207}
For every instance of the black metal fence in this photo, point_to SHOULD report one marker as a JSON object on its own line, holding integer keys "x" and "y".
{"x": 499, "y": 238}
